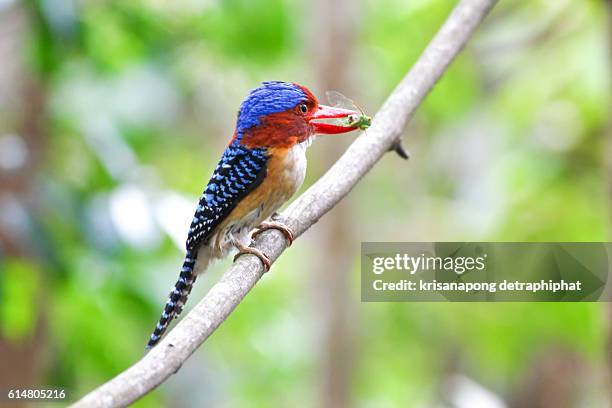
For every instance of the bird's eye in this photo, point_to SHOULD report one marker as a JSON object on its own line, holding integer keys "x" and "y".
{"x": 303, "y": 108}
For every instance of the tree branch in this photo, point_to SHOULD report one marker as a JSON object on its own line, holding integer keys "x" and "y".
{"x": 166, "y": 358}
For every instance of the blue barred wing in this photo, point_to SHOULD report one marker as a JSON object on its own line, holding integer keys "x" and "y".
{"x": 239, "y": 171}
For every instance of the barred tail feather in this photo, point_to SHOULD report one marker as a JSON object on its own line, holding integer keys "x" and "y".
{"x": 176, "y": 299}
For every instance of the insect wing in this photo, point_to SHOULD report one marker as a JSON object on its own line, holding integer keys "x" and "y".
{"x": 337, "y": 100}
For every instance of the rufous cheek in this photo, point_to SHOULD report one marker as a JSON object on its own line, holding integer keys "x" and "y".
{"x": 283, "y": 130}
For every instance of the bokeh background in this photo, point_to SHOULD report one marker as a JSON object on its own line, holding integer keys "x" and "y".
{"x": 114, "y": 113}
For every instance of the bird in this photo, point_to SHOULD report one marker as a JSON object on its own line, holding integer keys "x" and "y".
{"x": 263, "y": 165}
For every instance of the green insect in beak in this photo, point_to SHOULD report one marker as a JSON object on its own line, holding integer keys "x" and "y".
{"x": 361, "y": 121}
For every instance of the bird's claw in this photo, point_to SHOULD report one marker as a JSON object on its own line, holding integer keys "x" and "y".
{"x": 254, "y": 251}
{"x": 243, "y": 249}
{"x": 287, "y": 232}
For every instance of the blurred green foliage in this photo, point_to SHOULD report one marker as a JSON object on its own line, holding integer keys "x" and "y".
{"x": 19, "y": 293}
{"x": 141, "y": 99}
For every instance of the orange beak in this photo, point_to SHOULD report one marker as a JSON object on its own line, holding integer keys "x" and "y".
{"x": 327, "y": 112}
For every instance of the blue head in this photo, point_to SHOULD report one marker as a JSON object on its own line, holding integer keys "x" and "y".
{"x": 271, "y": 97}
{"x": 279, "y": 114}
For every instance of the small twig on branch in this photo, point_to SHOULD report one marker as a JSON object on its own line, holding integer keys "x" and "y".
{"x": 168, "y": 356}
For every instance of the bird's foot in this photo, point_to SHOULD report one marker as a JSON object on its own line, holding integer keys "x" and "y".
{"x": 287, "y": 232}
{"x": 243, "y": 249}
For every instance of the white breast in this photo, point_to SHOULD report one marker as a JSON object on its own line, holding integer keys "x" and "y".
{"x": 295, "y": 164}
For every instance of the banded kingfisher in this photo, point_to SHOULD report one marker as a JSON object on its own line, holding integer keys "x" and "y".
{"x": 261, "y": 168}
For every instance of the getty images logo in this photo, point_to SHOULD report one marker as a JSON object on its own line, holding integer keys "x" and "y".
{"x": 423, "y": 262}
